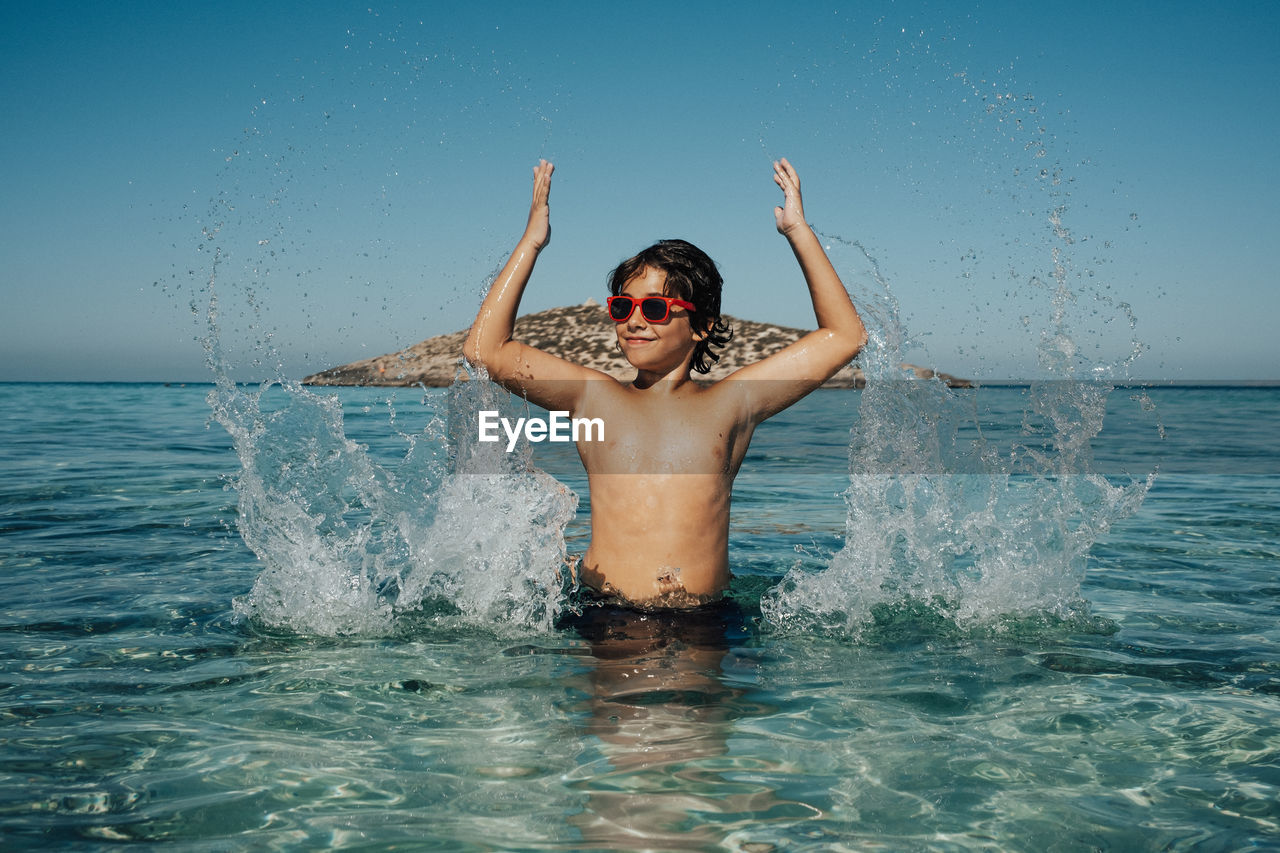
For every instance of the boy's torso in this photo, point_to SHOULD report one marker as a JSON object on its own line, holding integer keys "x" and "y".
{"x": 660, "y": 485}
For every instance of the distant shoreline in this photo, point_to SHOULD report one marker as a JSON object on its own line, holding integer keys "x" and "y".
{"x": 584, "y": 335}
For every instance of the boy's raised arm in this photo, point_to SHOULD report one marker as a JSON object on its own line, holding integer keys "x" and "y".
{"x": 840, "y": 335}
{"x": 541, "y": 377}
{"x": 497, "y": 318}
{"x": 831, "y": 304}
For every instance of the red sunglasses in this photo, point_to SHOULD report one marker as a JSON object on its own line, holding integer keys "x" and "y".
{"x": 655, "y": 309}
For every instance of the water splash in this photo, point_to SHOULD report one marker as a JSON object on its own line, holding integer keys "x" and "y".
{"x": 354, "y": 543}
{"x": 972, "y": 529}
{"x": 456, "y": 532}
{"x": 496, "y": 550}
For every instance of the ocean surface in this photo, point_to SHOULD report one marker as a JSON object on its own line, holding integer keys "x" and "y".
{"x": 284, "y": 620}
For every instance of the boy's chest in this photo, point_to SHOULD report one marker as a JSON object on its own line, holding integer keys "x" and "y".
{"x": 648, "y": 438}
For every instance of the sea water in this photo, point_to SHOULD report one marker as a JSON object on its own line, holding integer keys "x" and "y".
{"x": 159, "y": 686}
{"x": 272, "y": 616}
{"x": 263, "y": 616}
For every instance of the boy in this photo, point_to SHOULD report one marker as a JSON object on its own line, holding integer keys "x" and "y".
{"x": 661, "y": 479}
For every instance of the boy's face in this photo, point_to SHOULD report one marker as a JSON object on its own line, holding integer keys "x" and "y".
{"x": 658, "y": 347}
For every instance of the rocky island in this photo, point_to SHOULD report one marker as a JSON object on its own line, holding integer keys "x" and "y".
{"x": 581, "y": 333}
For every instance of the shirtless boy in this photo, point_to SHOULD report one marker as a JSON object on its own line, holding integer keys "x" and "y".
{"x": 661, "y": 479}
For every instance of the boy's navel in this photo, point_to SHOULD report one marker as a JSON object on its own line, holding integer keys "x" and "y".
{"x": 669, "y": 580}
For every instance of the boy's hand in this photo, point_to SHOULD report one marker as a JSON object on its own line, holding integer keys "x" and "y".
{"x": 538, "y": 231}
{"x": 791, "y": 214}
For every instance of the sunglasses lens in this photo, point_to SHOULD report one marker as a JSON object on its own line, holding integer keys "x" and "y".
{"x": 653, "y": 309}
{"x": 620, "y": 308}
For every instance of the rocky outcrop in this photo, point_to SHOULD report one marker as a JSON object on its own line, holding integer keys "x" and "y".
{"x": 581, "y": 333}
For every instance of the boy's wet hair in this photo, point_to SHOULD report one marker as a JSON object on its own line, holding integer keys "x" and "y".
{"x": 692, "y": 276}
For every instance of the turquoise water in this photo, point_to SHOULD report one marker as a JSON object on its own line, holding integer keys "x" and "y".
{"x": 1129, "y": 701}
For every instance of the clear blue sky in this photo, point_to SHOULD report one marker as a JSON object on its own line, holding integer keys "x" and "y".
{"x": 368, "y": 167}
